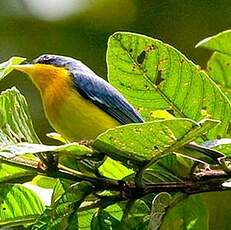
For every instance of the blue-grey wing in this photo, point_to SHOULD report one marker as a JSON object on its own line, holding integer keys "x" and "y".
{"x": 102, "y": 94}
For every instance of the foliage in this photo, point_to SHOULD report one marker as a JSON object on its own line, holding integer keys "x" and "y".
{"x": 136, "y": 176}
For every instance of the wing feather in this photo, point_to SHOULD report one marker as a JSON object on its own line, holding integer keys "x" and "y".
{"x": 102, "y": 94}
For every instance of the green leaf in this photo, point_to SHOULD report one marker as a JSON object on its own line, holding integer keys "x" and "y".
{"x": 72, "y": 149}
{"x": 59, "y": 189}
{"x": 155, "y": 76}
{"x": 150, "y": 140}
{"x": 44, "y": 181}
{"x": 13, "y": 174}
{"x": 64, "y": 206}
{"x": 43, "y": 222}
{"x": 57, "y": 136}
{"x": 19, "y": 205}
{"x": 169, "y": 168}
{"x": 15, "y": 121}
{"x": 102, "y": 220}
{"x": 85, "y": 166}
{"x": 67, "y": 205}
{"x": 114, "y": 169}
{"x": 219, "y": 65}
{"x": 137, "y": 217}
{"x": 219, "y": 69}
{"x": 220, "y": 42}
{"x": 5, "y": 67}
{"x": 188, "y": 214}
{"x": 84, "y": 219}
{"x": 115, "y": 211}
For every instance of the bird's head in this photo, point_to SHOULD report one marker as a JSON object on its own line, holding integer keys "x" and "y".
{"x": 48, "y": 68}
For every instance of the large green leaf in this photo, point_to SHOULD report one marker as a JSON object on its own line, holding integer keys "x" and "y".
{"x": 189, "y": 214}
{"x": 150, "y": 140}
{"x": 220, "y": 42}
{"x": 155, "y": 76}
{"x": 19, "y": 205}
{"x": 15, "y": 121}
{"x": 219, "y": 69}
{"x": 5, "y": 67}
{"x": 219, "y": 65}
{"x": 15, "y": 127}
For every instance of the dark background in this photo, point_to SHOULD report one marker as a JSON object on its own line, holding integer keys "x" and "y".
{"x": 80, "y": 28}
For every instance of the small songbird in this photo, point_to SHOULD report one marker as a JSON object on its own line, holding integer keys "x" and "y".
{"x": 78, "y": 103}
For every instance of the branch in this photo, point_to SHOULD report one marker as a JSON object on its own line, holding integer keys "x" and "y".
{"x": 205, "y": 181}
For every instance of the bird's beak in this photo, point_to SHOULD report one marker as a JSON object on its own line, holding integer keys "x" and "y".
{"x": 25, "y": 68}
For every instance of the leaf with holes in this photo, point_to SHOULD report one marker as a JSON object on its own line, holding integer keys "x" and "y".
{"x": 141, "y": 142}
{"x": 155, "y": 76}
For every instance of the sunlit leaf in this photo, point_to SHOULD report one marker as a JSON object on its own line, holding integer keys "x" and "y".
{"x": 150, "y": 140}
{"x": 219, "y": 65}
{"x": 155, "y": 76}
{"x": 19, "y": 205}
{"x": 5, "y": 67}
{"x": 44, "y": 181}
{"x": 15, "y": 121}
{"x": 220, "y": 42}
{"x": 13, "y": 174}
{"x": 57, "y": 136}
{"x": 219, "y": 69}
{"x": 84, "y": 219}
{"x": 72, "y": 149}
{"x": 115, "y": 211}
{"x": 114, "y": 169}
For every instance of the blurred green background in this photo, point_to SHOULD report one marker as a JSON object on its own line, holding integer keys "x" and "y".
{"x": 80, "y": 28}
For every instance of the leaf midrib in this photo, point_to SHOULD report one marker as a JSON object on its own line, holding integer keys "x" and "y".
{"x": 146, "y": 77}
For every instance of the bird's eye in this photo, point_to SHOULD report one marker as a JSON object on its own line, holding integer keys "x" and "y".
{"x": 45, "y": 59}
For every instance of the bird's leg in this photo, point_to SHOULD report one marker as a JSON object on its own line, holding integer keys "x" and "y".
{"x": 87, "y": 143}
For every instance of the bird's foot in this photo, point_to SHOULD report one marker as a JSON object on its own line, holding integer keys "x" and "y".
{"x": 41, "y": 165}
{"x": 87, "y": 143}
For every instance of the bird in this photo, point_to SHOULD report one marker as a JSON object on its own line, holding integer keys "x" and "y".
{"x": 78, "y": 103}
